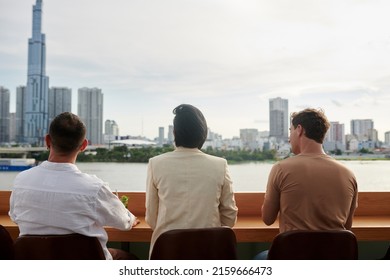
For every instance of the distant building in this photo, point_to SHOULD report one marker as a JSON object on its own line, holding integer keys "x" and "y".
{"x": 21, "y": 93}
{"x": 387, "y": 138}
{"x": 249, "y": 138}
{"x": 111, "y": 131}
{"x": 161, "y": 133}
{"x": 60, "y": 100}
{"x": 170, "y": 135}
{"x": 278, "y": 118}
{"x": 90, "y": 110}
{"x": 363, "y": 130}
{"x": 335, "y": 137}
{"x": 4, "y": 115}
{"x": 36, "y": 105}
{"x": 12, "y": 127}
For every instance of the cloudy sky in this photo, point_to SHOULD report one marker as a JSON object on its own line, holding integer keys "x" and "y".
{"x": 227, "y": 57}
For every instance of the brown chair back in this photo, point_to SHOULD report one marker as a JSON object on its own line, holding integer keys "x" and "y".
{"x": 217, "y": 243}
{"x": 314, "y": 245}
{"x": 6, "y": 245}
{"x": 58, "y": 247}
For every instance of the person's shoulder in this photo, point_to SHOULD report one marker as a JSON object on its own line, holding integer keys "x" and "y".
{"x": 161, "y": 156}
{"x": 215, "y": 160}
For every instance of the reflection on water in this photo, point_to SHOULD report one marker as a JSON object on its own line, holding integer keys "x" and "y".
{"x": 251, "y": 177}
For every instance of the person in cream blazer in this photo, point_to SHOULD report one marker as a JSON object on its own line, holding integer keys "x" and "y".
{"x": 187, "y": 188}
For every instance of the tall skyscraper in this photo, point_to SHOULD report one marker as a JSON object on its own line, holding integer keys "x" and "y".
{"x": 12, "y": 127}
{"x": 278, "y": 118}
{"x": 36, "y": 106}
{"x": 4, "y": 115}
{"x": 60, "y": 100}
{"x": 90, "y": 110}
{"x": 170, "y": 135}
{"x": 21, "y": 93}
{"x": 161, "y": 132}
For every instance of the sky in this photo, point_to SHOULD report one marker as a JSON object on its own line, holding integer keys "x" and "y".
{"x": 226, "y": 57}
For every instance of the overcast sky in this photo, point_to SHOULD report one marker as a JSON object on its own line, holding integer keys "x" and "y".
{"x": 226, "y": 57}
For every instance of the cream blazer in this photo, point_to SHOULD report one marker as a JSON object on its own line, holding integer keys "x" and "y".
{"x": 187, "y": 188}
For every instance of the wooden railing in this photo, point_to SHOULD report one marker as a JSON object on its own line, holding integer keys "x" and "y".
{"x": 371, "y": 221}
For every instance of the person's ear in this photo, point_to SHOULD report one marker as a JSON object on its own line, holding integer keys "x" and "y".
{"x": 84, "y": 145}
{"x": 300, "y": 130}
{"x": 48, "y": 141}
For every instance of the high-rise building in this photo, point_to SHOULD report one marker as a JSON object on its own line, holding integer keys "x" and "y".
{"x": 60, "y": 100}
{"x": 336, "y": 133}
{"x": 90, "y": 110}
{"x": 170, "y": 134}
{"x": 21, "y": 93}
{"x": 278, "y": 118}
{"x": 36, "y": 106}
{"x": 387, "y": 137}
{"x": 111, "y": 128}
{"x": 12, "y": 127}
{"x": 363, "y": 130}
{"x": 249, "y": 138}
{"x": 335, "y": 137}
{"x": 161, "y": 132}
{"x": 4, "y": 115}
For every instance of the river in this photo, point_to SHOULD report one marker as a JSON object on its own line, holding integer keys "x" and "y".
{"x": 247, "y": 177}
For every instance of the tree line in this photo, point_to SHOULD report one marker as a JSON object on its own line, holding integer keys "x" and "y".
{"x": 126, "y": 154}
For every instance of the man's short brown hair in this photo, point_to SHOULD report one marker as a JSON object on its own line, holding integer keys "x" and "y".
{"x": 67, "y": 132}
{"x": 313, "y": 121}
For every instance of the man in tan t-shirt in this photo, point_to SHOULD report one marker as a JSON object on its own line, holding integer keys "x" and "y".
{"x": 310, "y": 190}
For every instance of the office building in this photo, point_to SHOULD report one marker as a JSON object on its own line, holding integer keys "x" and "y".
{"x": 249, "y": 138}
{"x": 278, "y": 118}
{"x": 21, "y": 92}
{"x": 36, "y": 105}
{"x": 12, "y": 127}
{"x": 170, "y": 135}
{"x": 335, "y": 137}
{"x": 387, "y": 138}
{"x": 111, "y": 128}
{"x": 90, "y": 110}
{"x": 111, "y": 131}
{"x": 363, "y": 130}
{"x": 60, "y": 100}
{"x": 161, "y": 132}
{"x": 4, "y": 115}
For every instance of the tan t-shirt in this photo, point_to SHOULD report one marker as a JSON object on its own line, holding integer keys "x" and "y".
{"x": 310, "y": 191}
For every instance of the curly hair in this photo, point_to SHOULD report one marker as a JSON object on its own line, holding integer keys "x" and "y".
{"x": 314, "y": 122}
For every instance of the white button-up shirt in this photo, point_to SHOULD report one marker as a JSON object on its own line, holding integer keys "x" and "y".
{"x": 57, "y": 198}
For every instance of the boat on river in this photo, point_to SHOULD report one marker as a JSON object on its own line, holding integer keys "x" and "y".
{"x": 16, "y": 164}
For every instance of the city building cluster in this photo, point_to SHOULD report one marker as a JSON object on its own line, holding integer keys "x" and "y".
{"x": 37, "y": 104}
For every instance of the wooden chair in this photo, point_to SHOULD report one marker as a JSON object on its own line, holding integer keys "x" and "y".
{"x": 217, "y": 243}
{"x": 6, "y": 245}
{"x": 58, "y": 247}
{"x": 314, "y": 245}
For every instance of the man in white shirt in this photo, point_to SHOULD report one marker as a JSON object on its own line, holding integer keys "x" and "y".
{"x": 57, "y": 198}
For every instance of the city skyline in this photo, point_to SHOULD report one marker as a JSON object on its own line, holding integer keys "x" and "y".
{"x": 226, "y": 57}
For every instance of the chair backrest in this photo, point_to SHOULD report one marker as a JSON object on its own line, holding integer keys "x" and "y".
{"x": 58, "y": 247}
{"x": 314, "y": 245}
{"x": 217, "y": 243}
{"x": 6, "y": 245}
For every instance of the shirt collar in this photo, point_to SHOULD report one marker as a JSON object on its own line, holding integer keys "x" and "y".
{"x": 59, "y": 166}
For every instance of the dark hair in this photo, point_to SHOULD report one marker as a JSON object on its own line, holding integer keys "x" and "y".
{"x": 313, "y": 121}
{"x": 190, "y": 127}
{"x": 67, "y": 132}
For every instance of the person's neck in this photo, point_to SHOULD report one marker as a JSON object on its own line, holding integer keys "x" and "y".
{"x": 61, "y": 158}
{"x": 312, "y": 147}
